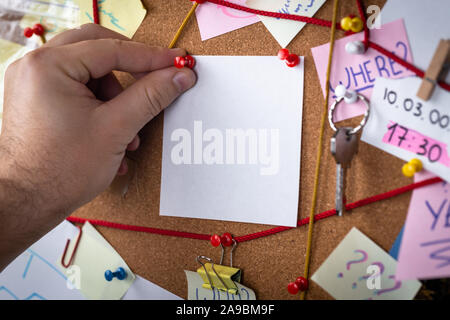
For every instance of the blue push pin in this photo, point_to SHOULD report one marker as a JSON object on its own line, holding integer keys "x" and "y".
{"x": 119, "y": 274}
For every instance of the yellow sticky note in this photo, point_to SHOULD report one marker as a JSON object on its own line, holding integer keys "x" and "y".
{"x": 93, "y": 257}
{"x": 121, "y": 16}
{"x": 358, "y": 269}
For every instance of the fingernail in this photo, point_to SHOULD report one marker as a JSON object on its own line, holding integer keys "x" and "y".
{"x": 184, "y": 80}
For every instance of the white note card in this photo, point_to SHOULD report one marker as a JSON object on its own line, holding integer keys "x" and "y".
{"x": 284, "y": 31}
{"x": 231, "y": 145}
{"x": 404, "y": 125}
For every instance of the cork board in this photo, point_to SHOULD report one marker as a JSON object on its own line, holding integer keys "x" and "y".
{"x": 270, "y": 263}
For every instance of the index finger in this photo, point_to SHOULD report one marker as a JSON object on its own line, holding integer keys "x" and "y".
{"x": 89, "y": 31}
{"x": 97, "y": 58}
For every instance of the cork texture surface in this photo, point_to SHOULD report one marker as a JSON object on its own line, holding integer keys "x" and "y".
{"x": 269, "y": 263}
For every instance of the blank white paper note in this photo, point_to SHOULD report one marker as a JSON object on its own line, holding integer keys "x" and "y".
{"x": 231, "y": 146}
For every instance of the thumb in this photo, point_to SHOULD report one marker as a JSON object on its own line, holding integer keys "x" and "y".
{"x": 145, "y": 99}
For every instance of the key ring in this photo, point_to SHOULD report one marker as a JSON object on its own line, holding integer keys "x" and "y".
{"x": 363, "y": 121}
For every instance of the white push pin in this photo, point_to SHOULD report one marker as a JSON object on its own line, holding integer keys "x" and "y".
{"x": 349, "y": 96}
{"x": 355, "y": 47}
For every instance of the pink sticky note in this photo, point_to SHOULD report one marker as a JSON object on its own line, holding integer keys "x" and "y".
{"x": 359, "y": 71}
{"x": 425, "y": 248}
{"x": 214, "y": 20}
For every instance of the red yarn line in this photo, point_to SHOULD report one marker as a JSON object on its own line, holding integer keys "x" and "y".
{"x": 350, "y": 206}
{"x": 404, "y": 63}
{"x": 264, "y": 233}
{"x": 129, "y": 227}
{"x": 277, "y": 15}
{"x": 397, "y": 59}
{"x": 95, "y": 11}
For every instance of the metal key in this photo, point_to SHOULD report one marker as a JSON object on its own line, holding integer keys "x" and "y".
{"x": 343, "y": 147}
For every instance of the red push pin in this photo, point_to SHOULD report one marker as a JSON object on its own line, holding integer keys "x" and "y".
{"x": 179, "y": 62}
{"x": 300, "y": 284}
{"x": 291, "y": 59}
{"x": 283, "y": 53}
{"x": 292, "y": 288}
{"x": 28, "y": 32}
{"x": 187, "y": 61}
{"x": 227, "y": 239}
{"x": 216, "y": 240}
{"x": 38, "y": 29}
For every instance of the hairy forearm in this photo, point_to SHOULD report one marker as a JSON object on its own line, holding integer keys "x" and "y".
{"x": 25, "y": 215}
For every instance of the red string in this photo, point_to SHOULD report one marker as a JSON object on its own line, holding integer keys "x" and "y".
{"x": 95, "y": 11}
{"x": 404, "y": 63}
{"x": 325, "y": 23}
{"x": 265, "y": 233}
{"x": 397, "y": 59}
{"x": 121, "y": 226}
{"x": 277, "y": 15}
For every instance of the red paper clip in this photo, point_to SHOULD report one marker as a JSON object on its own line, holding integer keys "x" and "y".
{"x": 74, "y": 250}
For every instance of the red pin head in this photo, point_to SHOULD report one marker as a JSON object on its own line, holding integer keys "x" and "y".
{"x": 38, "y": 29}
{"x": 292, "y": 288}
{"x": 292, "y": 60}
{"x": 215, "y": 240}
{"x": 179, "y": 62}
{"x": 189, "y": 61}
{"x": 283, "y": 53}
{"x": 227, "y": 239}
{"x": 28, "y": 32}
{"x": 302, "y": 283}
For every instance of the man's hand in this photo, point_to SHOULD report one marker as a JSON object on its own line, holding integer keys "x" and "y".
{"x": 67, "y": 124}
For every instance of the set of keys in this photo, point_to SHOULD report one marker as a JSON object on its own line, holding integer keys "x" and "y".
{"x": 344, "y": 146}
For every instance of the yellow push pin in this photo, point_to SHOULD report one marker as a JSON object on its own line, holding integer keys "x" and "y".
{"x": 410, "y": 168}
{"x": 354, "y": 24}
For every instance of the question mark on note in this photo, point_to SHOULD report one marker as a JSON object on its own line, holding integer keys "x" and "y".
{"x": 397, "y": 285}
{"x": 360, "y": 260}
{"x": 309, "y": 5}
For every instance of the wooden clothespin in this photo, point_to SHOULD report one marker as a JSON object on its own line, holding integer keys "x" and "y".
{"x": 437, "y": 70}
